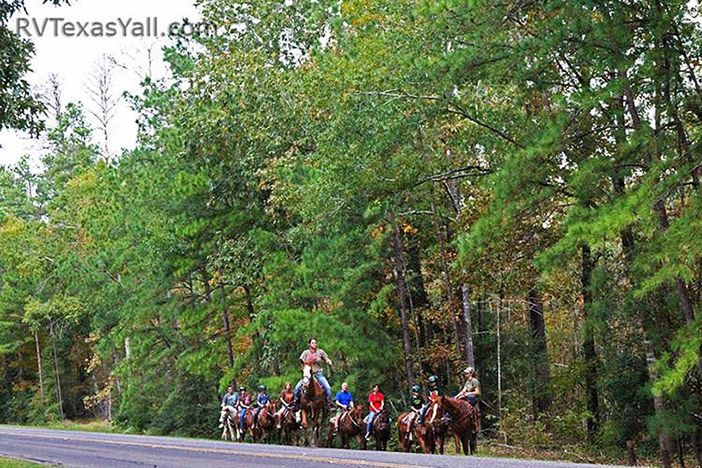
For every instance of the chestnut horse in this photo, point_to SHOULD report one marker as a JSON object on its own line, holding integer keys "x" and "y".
{"x": 463, "y": 421}
{"x": 265, "y": 424}
{"x": 410, "y": 431}
{"x": 439, "y": 423}
{"x": 381, "y": 430}
{"x": 350, "y": 426}
{"x": 313, "y": 409}
{"x": 287, "y": 426}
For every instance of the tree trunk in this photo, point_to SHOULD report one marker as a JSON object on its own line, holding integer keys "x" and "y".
{"x": 400, "y": 285}
{"x": 462, "y": 321}
{"x": 589, "y": 351}
{"x": 227, "y": 331}
{"x": 468, "y": 327}
{"x": 542, "y": 397}
{"x": 39, "y": 367}
{"x": 663, "y": 437}
{"x": 58, "y": 376}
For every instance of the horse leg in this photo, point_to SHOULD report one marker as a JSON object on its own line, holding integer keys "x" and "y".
{"x": 330, "y": 437}
{"x": 473, "y": 442}
{"x": 457, "y": 441}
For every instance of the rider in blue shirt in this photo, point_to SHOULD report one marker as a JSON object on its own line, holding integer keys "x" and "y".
{"x": 343, "y": 403}
{"x": 261, "y": 400}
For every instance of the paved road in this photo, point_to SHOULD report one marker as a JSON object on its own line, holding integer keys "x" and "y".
{"x": 85, "y": 449}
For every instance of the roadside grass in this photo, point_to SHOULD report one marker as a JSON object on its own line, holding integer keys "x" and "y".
{"x": 13, "y": 463}
{"x": 91, "y": 425}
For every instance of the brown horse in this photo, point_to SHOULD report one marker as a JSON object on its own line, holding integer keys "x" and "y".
{"x": 440, "y": 427}
{"x": 350, "y": 426}
{"x": 410, "y": 431}
{"x": 381, "y": 430}
{"x": 287, "y": 426}
{"x": 463, "y": 421}
{"x": 265, "y": 424}
{"x": 314, "y": 410}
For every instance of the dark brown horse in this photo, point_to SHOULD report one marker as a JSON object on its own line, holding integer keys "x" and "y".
{"x": 410, "y": 431}
{"x": 463, "y": 421}
{"x": 350, "y": 426}
{"x": 287, "y": 426}
{"x": 439, "y": 422}
{"x": 313, "y": 410}
{"x": 265, "y": 424}
{"x": 381, "y": 430}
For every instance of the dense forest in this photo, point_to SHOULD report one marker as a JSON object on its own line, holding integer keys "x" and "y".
{"x": 420, "y": 184}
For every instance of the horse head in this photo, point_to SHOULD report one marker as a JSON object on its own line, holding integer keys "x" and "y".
{"x": 382, "y": 421}
{"x": 436, "y": 409}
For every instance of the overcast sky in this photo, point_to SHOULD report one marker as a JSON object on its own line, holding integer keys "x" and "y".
{"x": 73, "y": 59}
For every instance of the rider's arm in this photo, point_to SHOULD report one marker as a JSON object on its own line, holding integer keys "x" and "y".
{"x": 325, "y": 357}
{"x": 476, "y": 392}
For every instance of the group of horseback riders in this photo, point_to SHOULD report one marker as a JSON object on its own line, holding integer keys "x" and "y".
{"x": 312, "y": 360}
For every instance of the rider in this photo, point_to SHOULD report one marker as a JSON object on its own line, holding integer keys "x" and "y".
{"x": 311, "y": 359}
{"x": 262, "y": 400}
{"x": 244, "y": 404}
{"x": 344, "y": 402}
{"x": 229, "y": 402}
{"x": 416, "y": 403}
{"x": 286, "y": 399}
{"x": 433, "y": 394}
{"x": 471, "y": 392}
{"x": 376, "y": 403}
{"x": 471, "y": 389}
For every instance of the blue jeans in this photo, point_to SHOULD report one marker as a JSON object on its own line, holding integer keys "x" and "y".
{"x": 322, "y": 381}
{"x": 423, "y": 412}
{"x": 242, "y": 418}
{"x": 369, "y": 421}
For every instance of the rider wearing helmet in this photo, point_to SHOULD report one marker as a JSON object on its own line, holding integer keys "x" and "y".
{"x": 416, "y": 403}
{"x": 244, "y": 404}
{"x": 433, "y": 394}
{"x": 416, "y": 399}
{"x": 262, "y": 400}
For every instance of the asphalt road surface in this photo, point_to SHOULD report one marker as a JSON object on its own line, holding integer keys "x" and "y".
{"x": 85, "y": 449}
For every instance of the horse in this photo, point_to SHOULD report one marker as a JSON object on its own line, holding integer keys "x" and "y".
{"x": 381, "y": 430}
{"x": 463, "y": 421}
{"x": 287, "y": 426}
{"x": 230, "y": 424}
{"x": 313, "y": 409}
{"x": 265, "y": 423}
{"x": 350, "y": 425}
{"x": 440, "y": 428}
{"x": 409, "y": 430}
{"x": 266, "y": 420}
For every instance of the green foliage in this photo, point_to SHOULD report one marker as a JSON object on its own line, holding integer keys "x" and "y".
{"x": 296, "y": 175}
